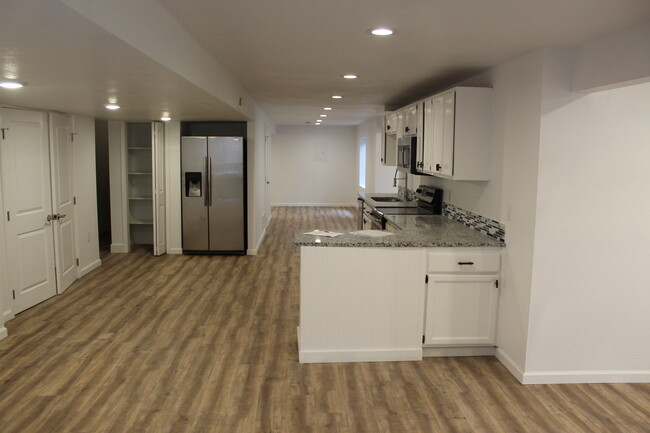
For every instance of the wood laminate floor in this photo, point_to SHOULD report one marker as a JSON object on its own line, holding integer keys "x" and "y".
{"x": 208, "y": 344}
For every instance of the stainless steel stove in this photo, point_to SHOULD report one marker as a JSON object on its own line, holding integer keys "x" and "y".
{"x": 429, "y": 202}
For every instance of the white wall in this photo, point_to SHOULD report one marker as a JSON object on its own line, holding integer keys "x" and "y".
{"x": 5, "y": 309}
{"x": 86, "y": 194}
{"x": 314, "y": 165}
{"x": 620, "y": 59}
{"x": 259, "y": 216}
{"x": 591, "y": 293}
{"x": 379, "y": 177}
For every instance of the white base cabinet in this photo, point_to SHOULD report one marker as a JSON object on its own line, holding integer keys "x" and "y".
{"x": 461, "y": 310}
{"x": 462, "y": 297}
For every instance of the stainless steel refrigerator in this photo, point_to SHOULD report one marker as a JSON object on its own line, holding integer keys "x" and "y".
{"x": 213, "y": 194}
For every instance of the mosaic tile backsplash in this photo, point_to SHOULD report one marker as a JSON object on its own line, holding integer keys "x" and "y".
{"x": 484, "y": 225}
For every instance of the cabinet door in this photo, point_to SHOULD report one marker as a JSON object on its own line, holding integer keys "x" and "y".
{"x": 426, "y": 149}
{"x": 449, "y": 113}
{"x": 411, "y": 120}
{"x": 461, "y": 310}
{"x": 438, "y": 133}
{"x": 159, "y": 195}
{"x": 391, "y": 123}
{"x": 400, "y": 119}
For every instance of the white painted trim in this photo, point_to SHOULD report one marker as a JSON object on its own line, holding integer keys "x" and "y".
{"x": 314, "y": 205}
{"x": 432, "y": 352}
{"x": 586, "y": 376}
{"x": 91, "y": 267}
{"x": 512, "y": 367}
{"x": 370, "y": 355}
{"x": 175, "y": 251}
{"x": 253, "y": 251}
{"x": 8, "y": 315}
{"x": 3, "y": 333}
{"x": 119, "y": 248}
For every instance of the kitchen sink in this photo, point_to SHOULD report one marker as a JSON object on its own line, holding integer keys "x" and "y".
{"x": 387, "y": 199}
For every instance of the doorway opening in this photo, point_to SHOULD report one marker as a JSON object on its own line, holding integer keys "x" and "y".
{"x": 103, "y": 186}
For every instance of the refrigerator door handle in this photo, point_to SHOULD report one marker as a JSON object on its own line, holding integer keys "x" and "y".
{"x": 206, "y": 188}
{"x": 210, "y": 181}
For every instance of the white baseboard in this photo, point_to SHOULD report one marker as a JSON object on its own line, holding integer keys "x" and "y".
{"x": 91, "y": 267}
{"x": 119, "y": 248}
{"x": 314, "y": 205}
{"x": 253, "y": 251}
{"x": 3, "y": 333}
{"x": 365, "y": 355}
{"x": 175, "y": 251}
{"x": 586, "y": 376}
{"x": 431, "y": 352}
{"x": 512, "y": 367}
{"x": 7, "y": 316}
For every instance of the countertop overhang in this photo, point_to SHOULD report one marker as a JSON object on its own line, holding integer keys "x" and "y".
{"x": 417, "y": 231}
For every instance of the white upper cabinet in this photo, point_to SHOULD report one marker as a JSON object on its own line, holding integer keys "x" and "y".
{"x": 411, "y": 119}
{"x": 390, "y": 125}
{"x": 456, "y": 139}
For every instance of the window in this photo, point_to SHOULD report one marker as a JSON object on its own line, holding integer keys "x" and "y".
{"x": 362, "y": 162}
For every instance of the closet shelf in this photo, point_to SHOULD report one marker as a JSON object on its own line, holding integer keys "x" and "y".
{"x": 139, "y": 222}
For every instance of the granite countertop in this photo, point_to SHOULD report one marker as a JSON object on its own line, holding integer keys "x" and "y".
{"x": 416, "y": 231}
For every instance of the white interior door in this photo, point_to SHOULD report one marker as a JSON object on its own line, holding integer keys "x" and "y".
{"x": 159, "y": 199}
{"x": 28, "y": 203}
{"x": 267, "y": 177}
{"x": 61, "y": 159}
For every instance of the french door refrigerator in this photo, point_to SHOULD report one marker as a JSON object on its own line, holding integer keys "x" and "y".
{"x": 213, "y": 202}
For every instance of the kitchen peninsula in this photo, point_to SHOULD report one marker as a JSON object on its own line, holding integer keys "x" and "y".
{"x": 431, "y": 286}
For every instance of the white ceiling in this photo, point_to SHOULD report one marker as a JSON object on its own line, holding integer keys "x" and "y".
{"x": 290, "y": 54}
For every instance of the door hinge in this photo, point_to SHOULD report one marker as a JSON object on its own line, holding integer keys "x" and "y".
{"x": 77, "y": 262}
{"x": 8, "y": 216}
{"x": 13, "y": 293}
{"x": 72, "y": 134}
{"x": 423, "y": 339}
{"x": 426, "y": 279}
{"x": 496, "y": 284}
{"x": 3, "y": 132}
{"x": 74, "y": 200}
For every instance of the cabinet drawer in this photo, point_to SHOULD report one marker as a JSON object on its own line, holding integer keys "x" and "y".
{"x": 464, "y": 262}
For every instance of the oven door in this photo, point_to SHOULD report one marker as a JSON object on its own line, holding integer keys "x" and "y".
{"x": 373, "y": 220}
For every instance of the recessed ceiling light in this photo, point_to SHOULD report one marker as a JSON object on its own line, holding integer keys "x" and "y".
{"x": 350, "y": 76}
{"x": 327, "y": 108}
{"x": 112, "y": 106}
{"x": 337, "y": 97}
{"x": 11, "y": 85}
{"x": 165, "y": 118}
{"x": 316, "y": 124}
{"x": 323, "y": 115}
{"x": 382, "y": 31}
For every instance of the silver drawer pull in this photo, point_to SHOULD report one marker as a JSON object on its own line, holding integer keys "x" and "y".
{"x": 465, "y": 263}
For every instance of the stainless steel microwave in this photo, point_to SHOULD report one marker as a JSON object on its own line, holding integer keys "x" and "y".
{"x": 406, "y": 154}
